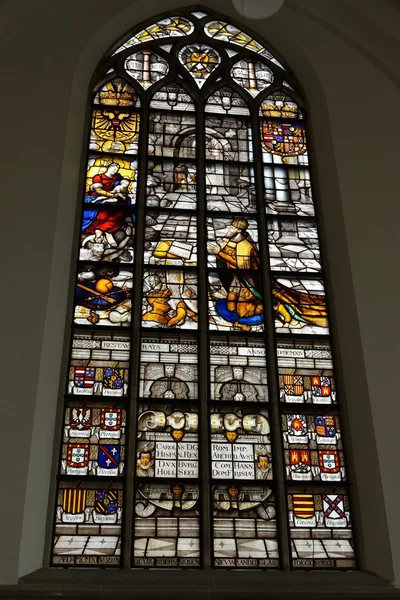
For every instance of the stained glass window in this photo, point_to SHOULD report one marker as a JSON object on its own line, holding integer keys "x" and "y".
{"x": 200, "y": 389}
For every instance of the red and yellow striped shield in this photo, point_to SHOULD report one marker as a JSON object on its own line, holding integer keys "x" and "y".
{"x": 74, "y": 501}
{"x": 303, "y": 505}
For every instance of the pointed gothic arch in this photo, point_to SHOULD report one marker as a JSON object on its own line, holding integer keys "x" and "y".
{"x": 222, "y": 234}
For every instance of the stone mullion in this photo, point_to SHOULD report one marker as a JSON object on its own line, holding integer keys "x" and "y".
{"x": 270, "y": 341}
{"x": 129, "y": 490}
{"x": 203, "y": 357}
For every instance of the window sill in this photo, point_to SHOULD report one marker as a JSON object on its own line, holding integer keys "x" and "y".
{"x": 54, "y": 584}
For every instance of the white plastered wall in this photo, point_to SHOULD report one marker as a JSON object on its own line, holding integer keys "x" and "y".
{"x": 344, "y": 55}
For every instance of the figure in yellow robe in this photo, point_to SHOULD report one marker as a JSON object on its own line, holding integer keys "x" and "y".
{"x": 243, "y": 306}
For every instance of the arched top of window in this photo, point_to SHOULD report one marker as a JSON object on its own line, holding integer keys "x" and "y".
{"x": 201, "y": 50}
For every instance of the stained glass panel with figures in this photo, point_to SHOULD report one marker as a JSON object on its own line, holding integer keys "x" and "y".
{"x": 238, "y": 370}
{"x": 235, "y": 300}
{"x": 167, "y": 525}
{"x": 240, "y": 442}
{"x": 197, "y": 186}
{"x": 167, "y": 441}
{"x": 299, "y": 306}
{"x": 232, "y": 243}
{"x": 107, "y": 234}
{"x": 111, "y": 180}
{"x": 103, "y": 295}
{"x": 170, "y": 299}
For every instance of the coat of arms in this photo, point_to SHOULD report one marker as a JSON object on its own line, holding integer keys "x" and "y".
{"x": 109, "y": 456}
{"x": 333, "y": 506}
{"x": 113, "y": 379}
{"x": 106, "y": 502}
{"x": 325, "y": 426}
{"x": 321, "y": 387}
{"x": 110, "y": 419}
{"x": 78, "y": 455}
{"x": 74, "y": 501}
{"x": 80, "y": 418}
{"x": 293, "y": 387}
{"x": 303, "y": 509}
{"x": 84, "y": 377}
